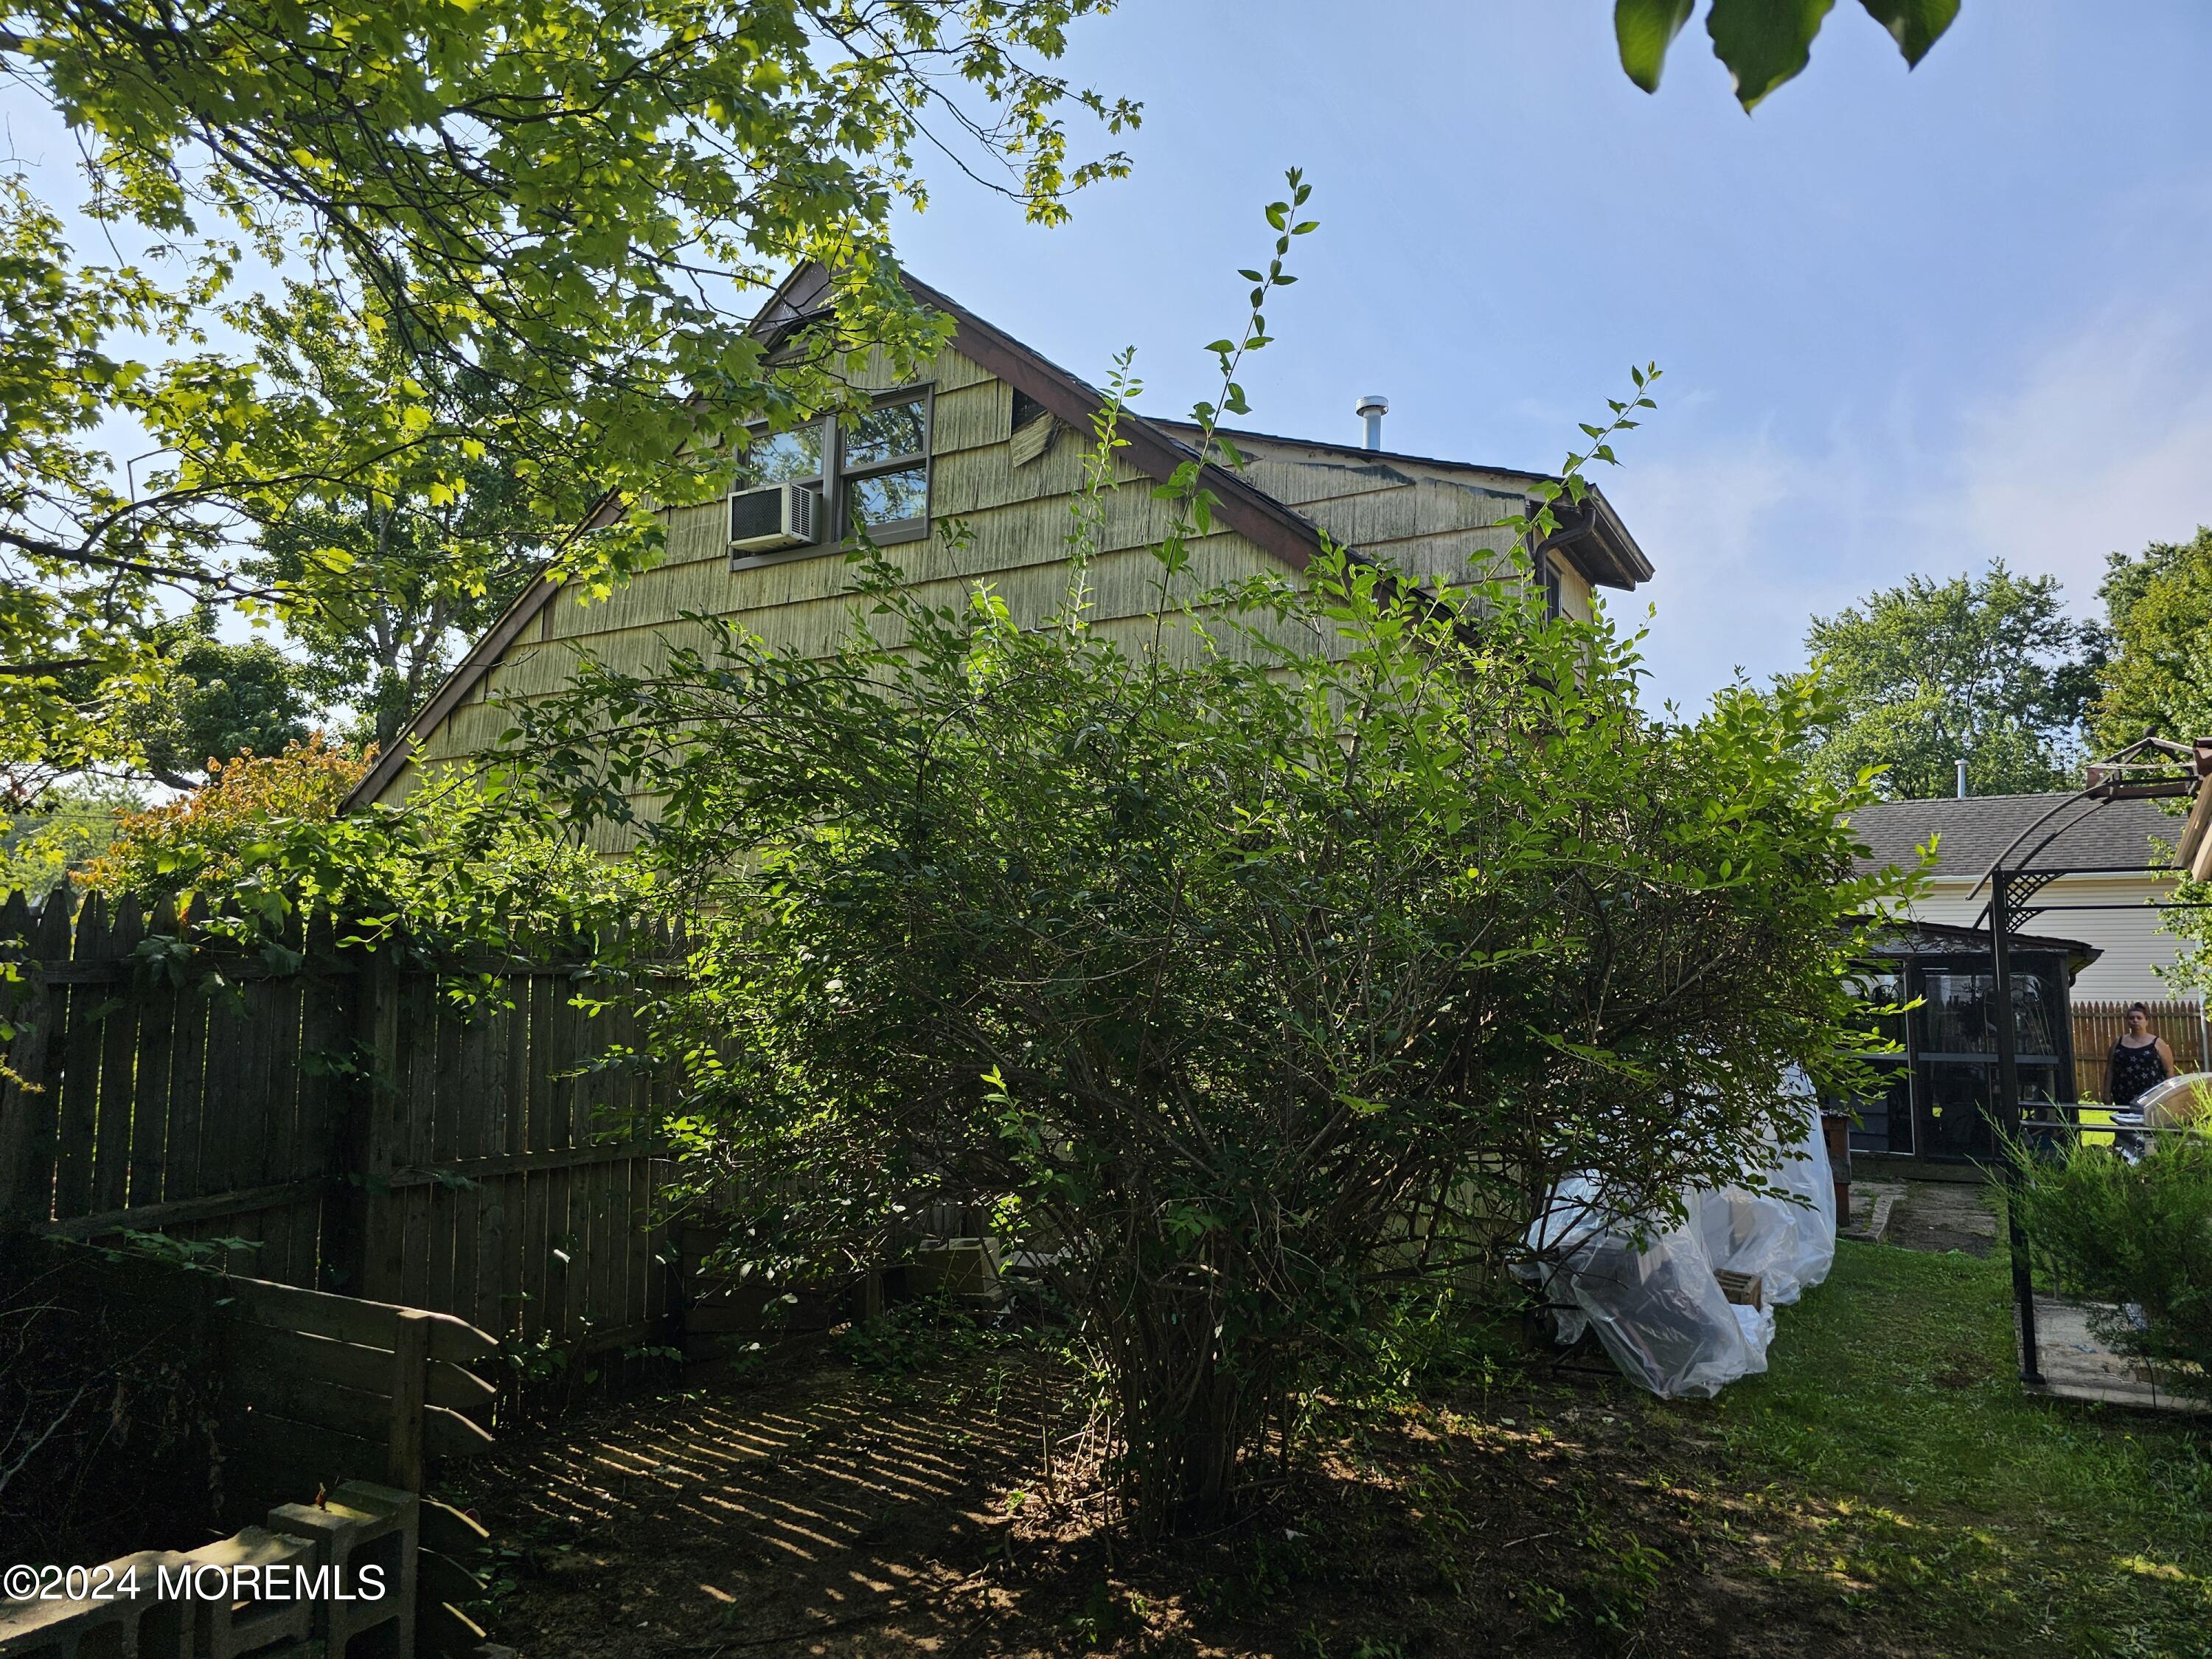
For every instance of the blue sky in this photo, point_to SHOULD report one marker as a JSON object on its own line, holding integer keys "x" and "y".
{"x": 1908, "y": 321}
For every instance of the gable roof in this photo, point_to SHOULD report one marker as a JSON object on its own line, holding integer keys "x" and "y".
{"x": 1592, "y": 535}
{"x": 1152, "y": 447}
{"x": 1976, "y": 830}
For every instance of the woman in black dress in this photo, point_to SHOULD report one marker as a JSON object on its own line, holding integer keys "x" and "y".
{"x": 2140, "y": 1058}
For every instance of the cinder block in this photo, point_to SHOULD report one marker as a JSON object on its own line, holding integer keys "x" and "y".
{"x": 969, "y": 1267}
{"x": 134, "y": 1625}
{"x": 228, "y": 1629}
{"x": 362, "y": 1525}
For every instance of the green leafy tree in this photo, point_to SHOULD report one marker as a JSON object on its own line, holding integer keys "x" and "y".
{"x": 1988, "y": 669}
{"x": 552, "y": 225}
{"x": 215, "y": 700}
{"x": 1249, "y": 975}
{"x": 85, "y": 568}
{"x": 2156, "y": 677}
{"x": 71, "y": 825}
{"x": 1764, "y": 43}
{"x": 383, "y": 574}
{"x": 579, "y": 203}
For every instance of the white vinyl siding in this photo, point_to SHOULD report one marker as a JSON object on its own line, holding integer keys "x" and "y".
{"x": 2134, "y": 948}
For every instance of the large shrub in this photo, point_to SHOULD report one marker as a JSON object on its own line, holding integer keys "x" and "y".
{"x": 1299, "y": 951}
{"x": 2136, "y": 1237}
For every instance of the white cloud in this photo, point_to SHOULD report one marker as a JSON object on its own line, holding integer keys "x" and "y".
{"x": 2102, "y": 441}
{"x": 2106, "y": 444}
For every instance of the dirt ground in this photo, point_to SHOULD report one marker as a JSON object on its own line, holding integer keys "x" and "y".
{"x": 836, "y": 1511}
{"x": 1942, "y": 1215}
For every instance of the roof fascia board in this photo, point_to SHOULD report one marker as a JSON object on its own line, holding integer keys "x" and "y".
{"x": 1258, "y": 517}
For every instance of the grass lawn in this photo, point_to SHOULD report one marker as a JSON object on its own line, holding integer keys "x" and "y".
{"x": 1885, "y": 1489}
{"x": 1891, "y": 1455}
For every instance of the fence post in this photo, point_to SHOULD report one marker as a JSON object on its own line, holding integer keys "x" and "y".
{"x": 411, "y": 1358}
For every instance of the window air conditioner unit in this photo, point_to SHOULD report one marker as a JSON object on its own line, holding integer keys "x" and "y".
{"x": 773, "y": 516}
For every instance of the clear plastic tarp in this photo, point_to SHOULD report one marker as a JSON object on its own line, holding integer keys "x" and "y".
{"x": 1649, "y": 1292}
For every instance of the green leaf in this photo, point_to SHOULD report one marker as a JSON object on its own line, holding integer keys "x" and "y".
{"x": 1644, "y": 29}
{"x": 1915, "y": 24}
{"x": 1764, "y": 42}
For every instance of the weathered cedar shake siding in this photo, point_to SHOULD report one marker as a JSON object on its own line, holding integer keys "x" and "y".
{"x": 1429, "y": 519}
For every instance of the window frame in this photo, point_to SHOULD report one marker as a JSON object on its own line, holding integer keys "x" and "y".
{"x": 835, "y": 478}
{"x": 897, "y": 530}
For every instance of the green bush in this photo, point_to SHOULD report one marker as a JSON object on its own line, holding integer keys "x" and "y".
{"x": 2135, "y": 1235}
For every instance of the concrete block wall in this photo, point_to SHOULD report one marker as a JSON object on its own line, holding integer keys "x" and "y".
{"x": 361, "y": 1525}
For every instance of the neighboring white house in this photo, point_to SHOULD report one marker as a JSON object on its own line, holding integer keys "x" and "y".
{"x": 1971, "y": 832}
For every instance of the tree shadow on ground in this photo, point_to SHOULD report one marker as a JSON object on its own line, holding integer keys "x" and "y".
{"x": 832, "y": 1511}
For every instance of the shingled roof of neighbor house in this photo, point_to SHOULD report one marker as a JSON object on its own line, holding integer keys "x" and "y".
{"x": 1974, "y": 830}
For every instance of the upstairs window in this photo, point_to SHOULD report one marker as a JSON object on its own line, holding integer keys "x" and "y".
{"x": 885, "y": 471}
{"x": 869, "y": 473}
{"x": 792, "y": 457}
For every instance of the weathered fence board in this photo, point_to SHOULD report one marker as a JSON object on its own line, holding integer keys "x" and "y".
{"x": 366, "y": 1133}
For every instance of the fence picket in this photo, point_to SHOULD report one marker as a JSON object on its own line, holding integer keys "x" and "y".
{"x": 371, "y": 1137}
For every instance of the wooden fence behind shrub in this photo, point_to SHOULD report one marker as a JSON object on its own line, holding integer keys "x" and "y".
{"x": 2098, "y": 1026}
{"x": 335, "y": 1107}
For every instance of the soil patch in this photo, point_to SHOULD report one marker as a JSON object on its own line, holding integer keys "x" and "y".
{"x": 836, "y": 1512}
{"x": 1942, "y": 1215}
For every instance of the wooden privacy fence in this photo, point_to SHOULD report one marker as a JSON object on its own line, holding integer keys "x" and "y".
{"x": 335, "y": 1110}
{"x": 313, "y": 1388}
{"x": 2098, "y": 1026}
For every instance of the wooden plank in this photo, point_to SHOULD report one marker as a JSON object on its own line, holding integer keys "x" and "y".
{"x": 262, "y": 1119}
{"x": 463, "y": 1205}
{"x": 429, "y": 1430}
{"x": 27, "y": 1110}
{"x": 220, "y": 1134}
{"x": 78, "y": 1103}
{"x": 442, "y": 1628}
{"x": 442, "y": 1578}
{"x": 405, "y": 1427}
{"x": 149, "y": 1106}
{"x": 119, "y": 1079}
{"x": 287, "y": 1085}
{"x": 501, "y": 1244}
{"x": 238, "y": 970}
{"x": 560, "y": 1038}
{"x": 326, "y": 1019}
{"x": 352, "y": 1319}
{"x": 145, "y": 1217}
{"x": 384, "y": 1015}
{"x": 567, "y": 1157}
{"x": 533, "y": 1250}
{"x": 420, "y": 998}
{"x": 487, "y": 1137}
{"x": 442, "y": 1528}
{"x": 430, "y": 1206}
{"x": 354, "y": 1365}
{"x": 188, "y": 1068}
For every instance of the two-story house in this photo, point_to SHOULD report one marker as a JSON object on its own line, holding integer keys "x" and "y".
{"x": 965, "y": 473}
